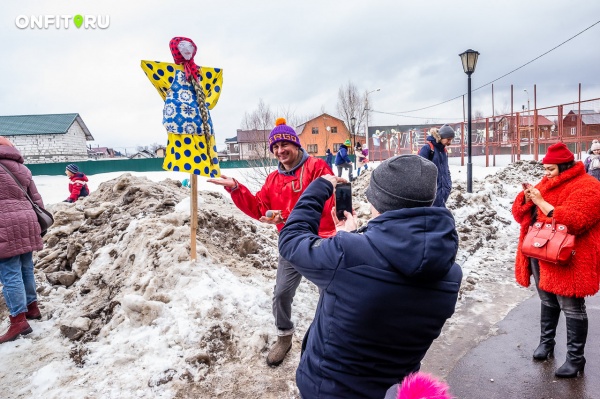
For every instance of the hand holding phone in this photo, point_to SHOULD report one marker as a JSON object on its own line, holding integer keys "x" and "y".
{"x": 343, "y": 199}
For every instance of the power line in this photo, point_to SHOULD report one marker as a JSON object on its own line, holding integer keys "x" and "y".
{"x": 503, "y": 76}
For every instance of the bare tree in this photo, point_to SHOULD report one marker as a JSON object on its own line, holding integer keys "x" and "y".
{"x": 505, "y": 110}
{"x": 351, "y": 104}
{"x": 292, "y": 119}
{"x": 261, "y": 120}
{"x": 154, "y": 146}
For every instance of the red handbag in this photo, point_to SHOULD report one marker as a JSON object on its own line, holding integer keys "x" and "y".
{"x": 549, "y": 242}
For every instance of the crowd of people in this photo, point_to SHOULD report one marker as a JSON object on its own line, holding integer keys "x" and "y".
{"x": 395, "y": 276}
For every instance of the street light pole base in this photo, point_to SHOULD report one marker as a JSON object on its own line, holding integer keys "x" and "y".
{"x": 469, "y": 177}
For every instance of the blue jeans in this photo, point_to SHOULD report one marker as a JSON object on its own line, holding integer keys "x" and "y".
{"x": 571, "y": 306}
{"x": 16, "y": 274}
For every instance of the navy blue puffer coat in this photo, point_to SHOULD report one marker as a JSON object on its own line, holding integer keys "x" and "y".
{"x": 385, "y": 295}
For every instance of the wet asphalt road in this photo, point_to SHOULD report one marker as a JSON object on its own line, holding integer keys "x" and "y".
{"x": 502, "y": 367}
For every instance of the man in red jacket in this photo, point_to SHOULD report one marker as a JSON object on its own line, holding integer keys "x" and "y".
{"x": 278, "y": 195}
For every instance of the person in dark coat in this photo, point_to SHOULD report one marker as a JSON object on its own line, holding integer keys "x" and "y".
{"x": 343, "y": 161}
{"x": 329, "y": 158}
{"x": 77, "y": 183}
{"x": 20, "y": 235}
{"x": 435, "y": 151}
{"x": 386, "y": 291}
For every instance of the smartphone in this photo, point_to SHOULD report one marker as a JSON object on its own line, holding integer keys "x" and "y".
{"x": 526, "y": 185}
{"x": 343, "y": 199}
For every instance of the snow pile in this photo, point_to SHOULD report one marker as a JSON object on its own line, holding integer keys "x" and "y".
{"x": 118, "y": 292}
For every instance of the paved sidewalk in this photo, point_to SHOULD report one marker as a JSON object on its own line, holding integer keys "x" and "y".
{"x": 502, "y": 367}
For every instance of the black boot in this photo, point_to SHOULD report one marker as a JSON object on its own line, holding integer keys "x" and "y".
{"x": 576, "y": 336}
{"x": 548, "y": 322}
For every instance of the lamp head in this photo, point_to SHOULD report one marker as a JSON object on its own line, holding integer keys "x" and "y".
{"x": 469, "y": 61}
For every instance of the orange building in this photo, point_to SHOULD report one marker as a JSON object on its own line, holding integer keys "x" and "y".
{"x": 323, "y": 132}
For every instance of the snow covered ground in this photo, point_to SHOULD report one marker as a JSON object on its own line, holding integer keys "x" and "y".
{"x": 127, "y": 315}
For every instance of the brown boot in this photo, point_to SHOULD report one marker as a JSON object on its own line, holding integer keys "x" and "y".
{"x": 279, "y": 350}
{"x": 18, "y": 326}
{"x": 33, "y": 312}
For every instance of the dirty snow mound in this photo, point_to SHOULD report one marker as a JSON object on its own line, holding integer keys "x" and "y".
{"x": 120, "y": 260}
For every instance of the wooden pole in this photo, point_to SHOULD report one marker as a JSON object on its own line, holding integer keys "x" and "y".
{"x": 193, "y": 217}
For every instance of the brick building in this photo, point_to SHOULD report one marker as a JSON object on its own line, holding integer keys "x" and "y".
{"x": 323, "y": 132}
{"x": 47, "y": 138}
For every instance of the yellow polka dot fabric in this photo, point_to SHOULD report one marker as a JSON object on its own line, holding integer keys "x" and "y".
{"x": 162, "y": 75}
{"x": 191, "y": 153}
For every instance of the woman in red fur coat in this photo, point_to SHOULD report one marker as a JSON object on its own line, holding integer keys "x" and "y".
{"x": 570, "y": 196}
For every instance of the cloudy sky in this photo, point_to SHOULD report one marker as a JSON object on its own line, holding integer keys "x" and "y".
{"x": 296, "y": 55}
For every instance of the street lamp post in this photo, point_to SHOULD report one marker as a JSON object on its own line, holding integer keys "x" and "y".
{"x": 367, "y": 110}
{"x": 353, "y": 130}
{"x": 469, "y": 62}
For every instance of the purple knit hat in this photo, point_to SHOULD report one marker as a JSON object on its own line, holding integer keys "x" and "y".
{"x": 283, "y": 132}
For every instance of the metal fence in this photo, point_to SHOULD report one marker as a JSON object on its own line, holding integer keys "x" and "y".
{"x": 529, "y": 132}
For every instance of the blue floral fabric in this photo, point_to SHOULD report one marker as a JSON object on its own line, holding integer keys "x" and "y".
{"x": 181, "y": 114}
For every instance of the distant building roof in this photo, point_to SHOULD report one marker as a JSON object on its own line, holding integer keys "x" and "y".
{"x": 21, "y": 125}
{"x": 231, "y": 140}
{"x": 530, "y": 120}
{"x": 300, "y": 128}
{"x": 583, "y": 111}
{"x": 143, "y": 154}
{"x": 588, "y": 117}
{"x": 253, "y": 136}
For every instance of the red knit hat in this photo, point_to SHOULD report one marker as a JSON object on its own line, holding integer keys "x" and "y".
{"x": 558, "y": 153}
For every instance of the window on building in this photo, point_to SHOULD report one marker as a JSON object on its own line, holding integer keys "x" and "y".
{"x": 315, "y": 130}
{"x": 336, "y": 147}
{"x": 573, "y": 131}
{"x": 312, "y": 148}
{"x": 252, "y": 147}
{"x": 333, "y": 129}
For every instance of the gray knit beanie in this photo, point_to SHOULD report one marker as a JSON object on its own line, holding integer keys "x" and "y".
{"x": 446, "y": 132}
{"x": 403, "y": 181}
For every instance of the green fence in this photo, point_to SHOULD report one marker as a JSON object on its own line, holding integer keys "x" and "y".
{"x": 121, "y": 165}
{"x": 124, "y": 165}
